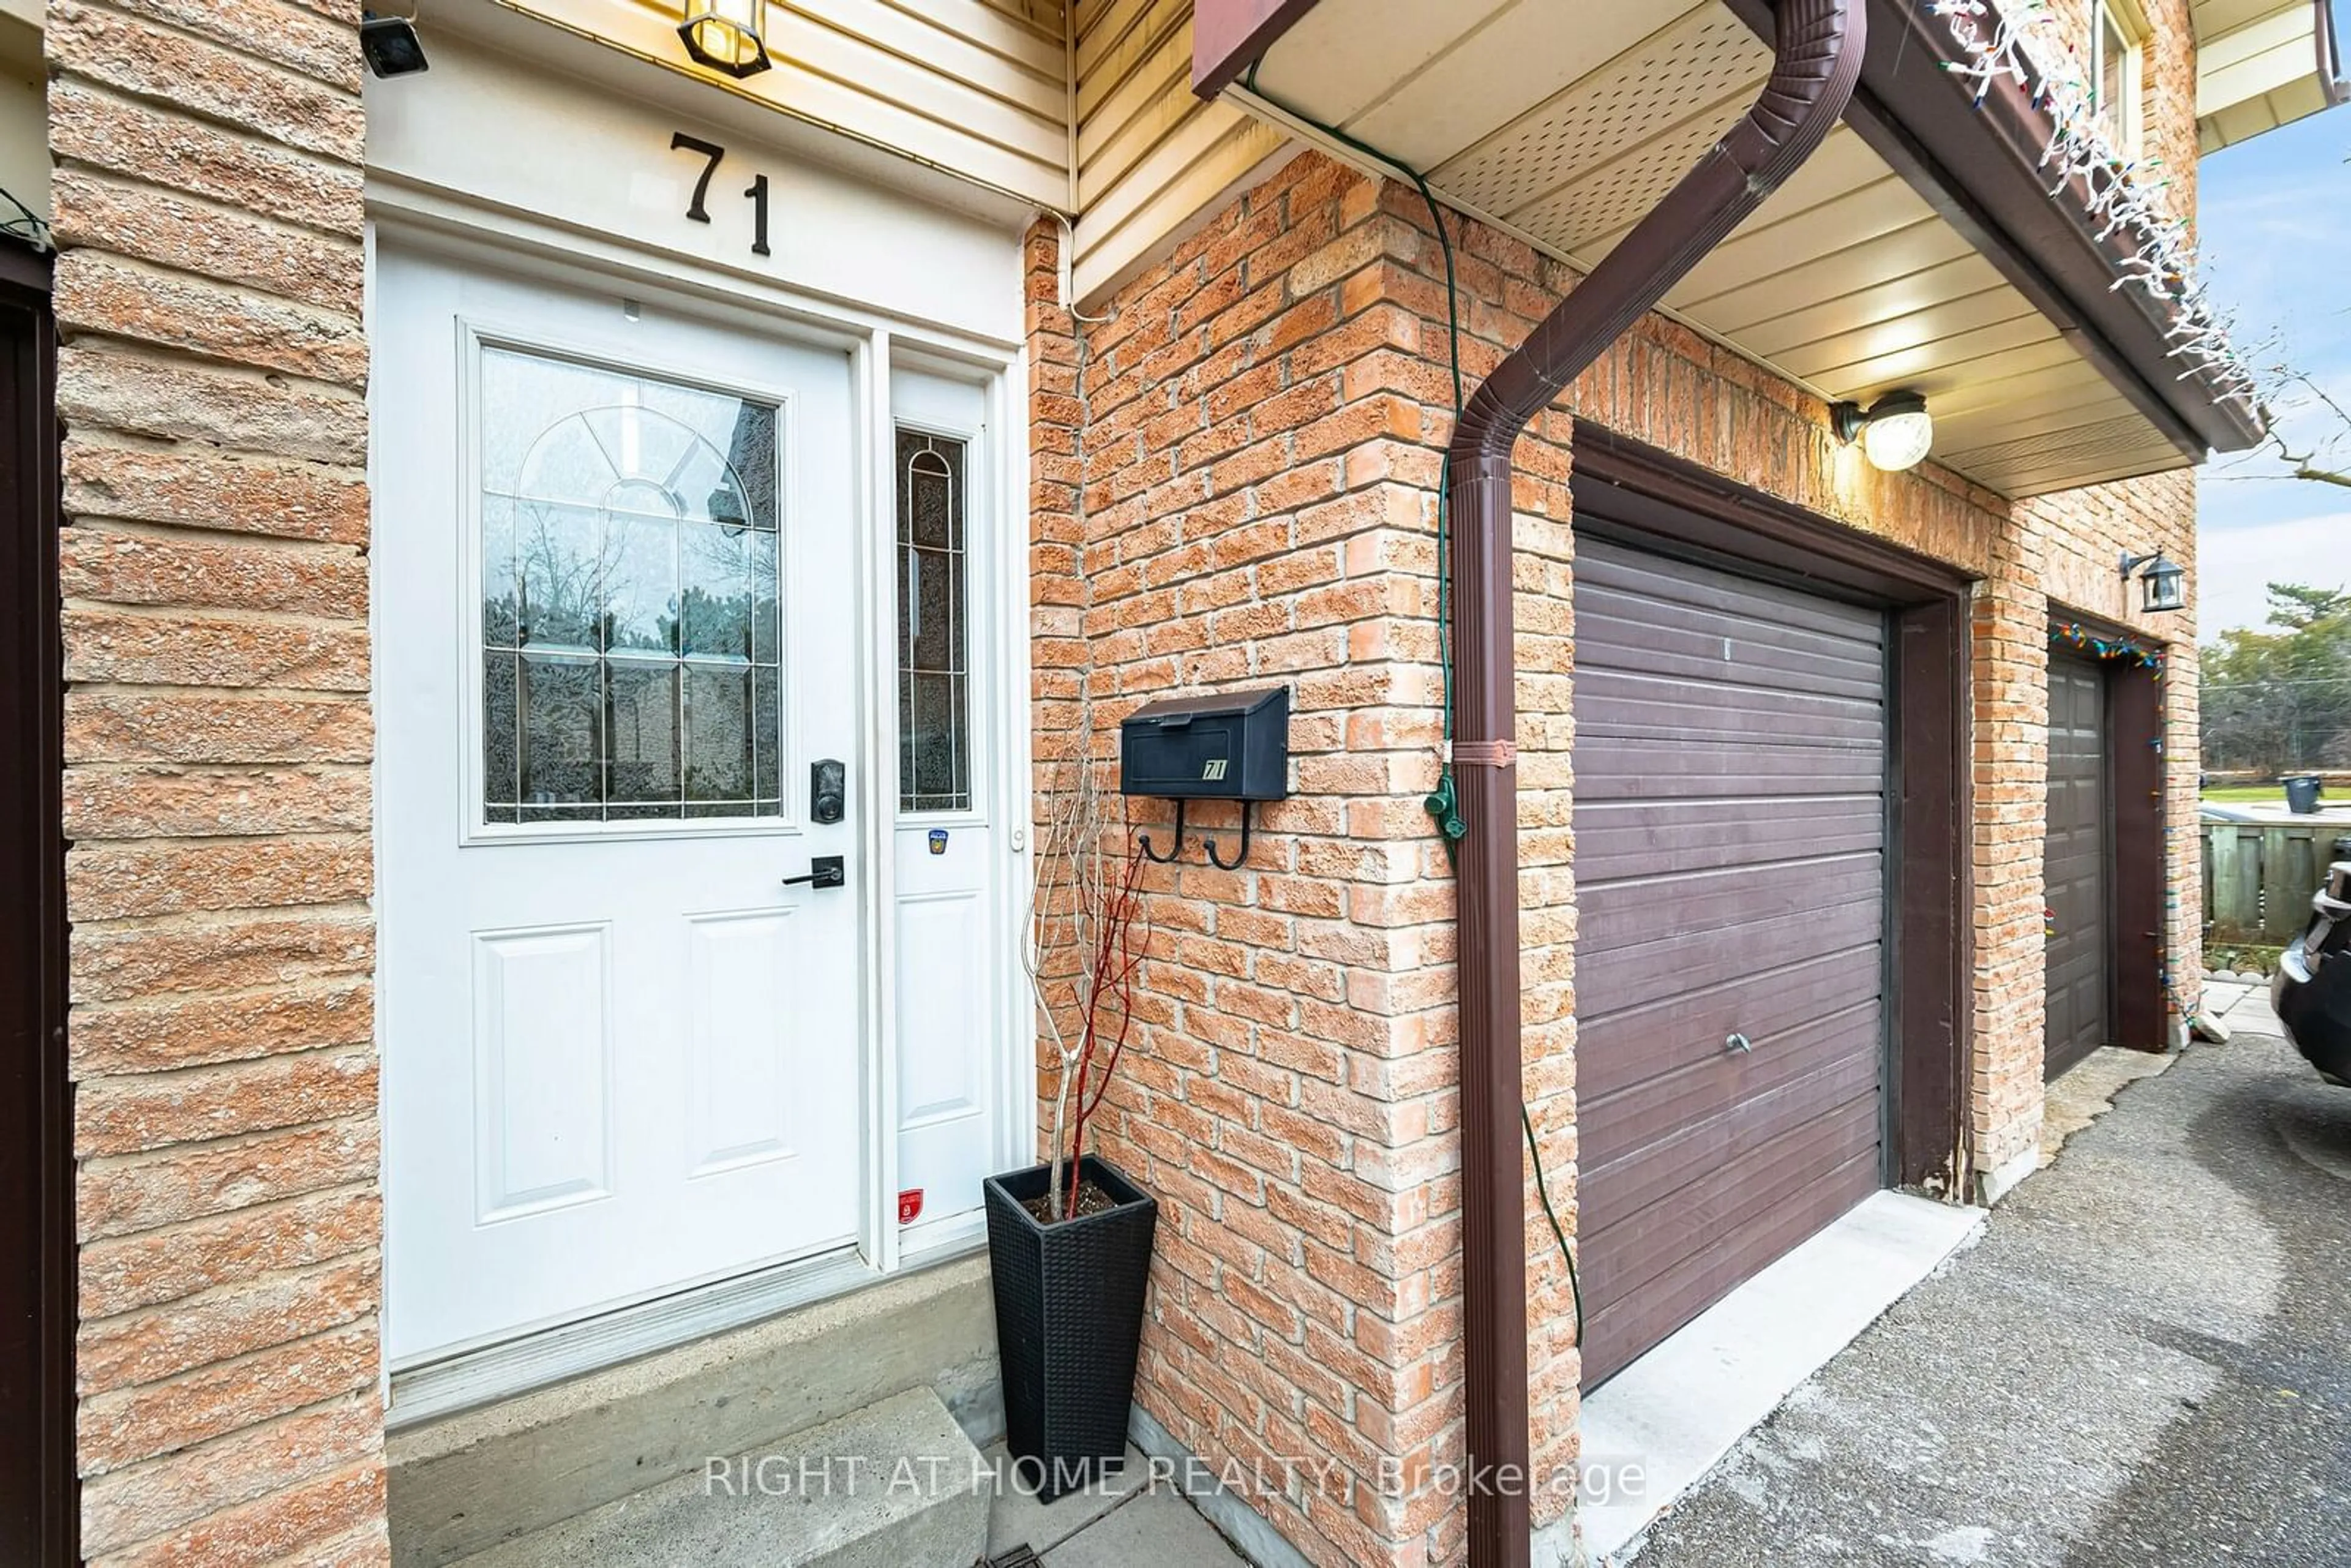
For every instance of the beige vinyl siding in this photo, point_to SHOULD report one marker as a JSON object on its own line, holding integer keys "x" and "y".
{"x": 979, "y": 87}
{"x": 1041, "y": 17}
{"x": 1153, "y": 160}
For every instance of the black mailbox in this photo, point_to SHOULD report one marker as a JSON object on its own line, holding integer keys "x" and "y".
{"x": 1235, "y": 746}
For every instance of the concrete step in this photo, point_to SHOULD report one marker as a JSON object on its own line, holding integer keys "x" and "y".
{"x": 462, "y": 1484}
{"x": 895, "y": 1485}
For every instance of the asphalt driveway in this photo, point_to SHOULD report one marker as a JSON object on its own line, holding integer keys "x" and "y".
{"x": 2146, "y": 1359}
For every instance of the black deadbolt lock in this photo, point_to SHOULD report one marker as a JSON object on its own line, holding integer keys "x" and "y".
{"x": 828, "y": 791}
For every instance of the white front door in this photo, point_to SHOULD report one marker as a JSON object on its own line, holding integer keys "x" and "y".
{"x": 615, "y": 555}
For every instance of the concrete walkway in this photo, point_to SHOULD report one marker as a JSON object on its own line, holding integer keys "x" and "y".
{"x": 2143, "y": 1360}
{"x": 1122, "y": 1523}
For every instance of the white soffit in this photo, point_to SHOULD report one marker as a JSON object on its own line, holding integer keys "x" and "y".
{"x": 2260, "y": 64}
{"x": 1566, "y": 121}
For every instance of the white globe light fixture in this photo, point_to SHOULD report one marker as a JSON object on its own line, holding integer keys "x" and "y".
{"x": 1895, "y": 433}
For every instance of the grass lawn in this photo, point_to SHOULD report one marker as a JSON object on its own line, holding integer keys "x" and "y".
{"x": 2247, "y": 794}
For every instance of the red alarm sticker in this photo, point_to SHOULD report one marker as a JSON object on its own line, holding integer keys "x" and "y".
{"x": 910, "y": 1206}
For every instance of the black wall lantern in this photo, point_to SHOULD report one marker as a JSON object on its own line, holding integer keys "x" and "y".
{"x": 725, "y": 35}
{"x": 2163, "y": 582}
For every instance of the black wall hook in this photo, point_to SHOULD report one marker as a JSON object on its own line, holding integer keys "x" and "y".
{"x": 1143, "y": 840}
{"x": 1239, "y": 860}
{"x": 1208, "y": 844}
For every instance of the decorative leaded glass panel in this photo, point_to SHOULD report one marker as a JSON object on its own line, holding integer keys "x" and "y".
{"x": 631, "y": 659}
{"x": 933, "y": 632}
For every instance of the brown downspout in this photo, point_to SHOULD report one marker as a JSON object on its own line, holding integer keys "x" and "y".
{"x": 1815, "y": 64}
{"x": 2330, "y": 56}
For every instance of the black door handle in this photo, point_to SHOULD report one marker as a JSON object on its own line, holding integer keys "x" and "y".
{"x": 824, "y": 871}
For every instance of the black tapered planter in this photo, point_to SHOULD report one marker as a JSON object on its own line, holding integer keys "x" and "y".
{"x": 1068, "y": 1322}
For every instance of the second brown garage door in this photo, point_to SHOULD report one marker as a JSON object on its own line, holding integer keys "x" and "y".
{"x": 2073, "y": 866}
{"x": 1730, "y": 760}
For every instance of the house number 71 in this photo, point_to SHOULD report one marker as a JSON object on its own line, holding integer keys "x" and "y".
{"x": 680, "y": 142}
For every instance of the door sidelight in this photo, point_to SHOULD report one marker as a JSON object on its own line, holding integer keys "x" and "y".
{"x": 824, "y": 871}
{"x": 828, "y": 791}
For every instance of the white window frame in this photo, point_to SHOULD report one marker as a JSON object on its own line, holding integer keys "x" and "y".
{"x": 985, "y": 721}
{"x": 476, "y": 334}
{"x": 2126, "y": 22}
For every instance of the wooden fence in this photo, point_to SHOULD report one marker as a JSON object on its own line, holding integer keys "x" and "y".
{"x": 2258, "y": 876}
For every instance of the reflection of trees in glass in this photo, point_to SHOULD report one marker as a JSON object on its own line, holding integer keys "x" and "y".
{"x": 630, "y": 633}
{"x": 561, "y": 578}
{"x": 2277, "y": 700}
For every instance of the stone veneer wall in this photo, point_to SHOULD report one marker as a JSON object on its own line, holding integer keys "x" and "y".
{"x": 1237, "y": 485}
{"x": 211, "y": 384}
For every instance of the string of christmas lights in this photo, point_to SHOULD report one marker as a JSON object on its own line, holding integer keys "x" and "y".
{"x": 2146, "y": 656}
{"x": 2080, "y": 638}
{"x": 2025, "y": 41}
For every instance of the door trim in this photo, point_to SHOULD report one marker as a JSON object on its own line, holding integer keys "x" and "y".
{"x": 1648, "y": 498}
{"x": 2139, "y": 802}
{"x": 40, "y": 1506}
{"x": 458, "y": 229}
{"x": 1000, "y": 791}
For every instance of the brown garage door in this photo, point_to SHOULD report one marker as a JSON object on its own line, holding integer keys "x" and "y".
{"x": 2073, "y": 865}
{"x": 1730, "y": 874}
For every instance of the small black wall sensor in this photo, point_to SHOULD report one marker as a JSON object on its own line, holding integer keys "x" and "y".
{"x": 389, "y": 45}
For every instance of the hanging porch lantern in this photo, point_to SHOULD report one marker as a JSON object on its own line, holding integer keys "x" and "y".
{"x": 2163, "y": 583}
{"x": 724, "y": 35}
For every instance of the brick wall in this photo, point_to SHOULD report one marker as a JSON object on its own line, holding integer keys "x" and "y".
{"x": 2008, "y": 686}
{"x": 2166, "y": 86}
{"x": 211, "y": 384}
{"x": 2167, "y": 104}
{"x": 1256, "y": 502}
{"x": 1237, "y": 484}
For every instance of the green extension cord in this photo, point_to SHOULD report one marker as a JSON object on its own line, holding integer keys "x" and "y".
{"x": 1444, "y": 803}
{"x": 1543, "y": 1191}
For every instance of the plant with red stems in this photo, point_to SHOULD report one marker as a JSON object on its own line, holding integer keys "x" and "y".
{"x": 1088, "y": 927}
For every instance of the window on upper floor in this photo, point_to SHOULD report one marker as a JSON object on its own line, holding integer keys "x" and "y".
{"x": 2115, "y": 75}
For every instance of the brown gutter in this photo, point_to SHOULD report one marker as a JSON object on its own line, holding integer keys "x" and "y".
{"x": 1815, "y": 64}
{"x": 2330, "y": 56}
{"x": 1228, "y": 35}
